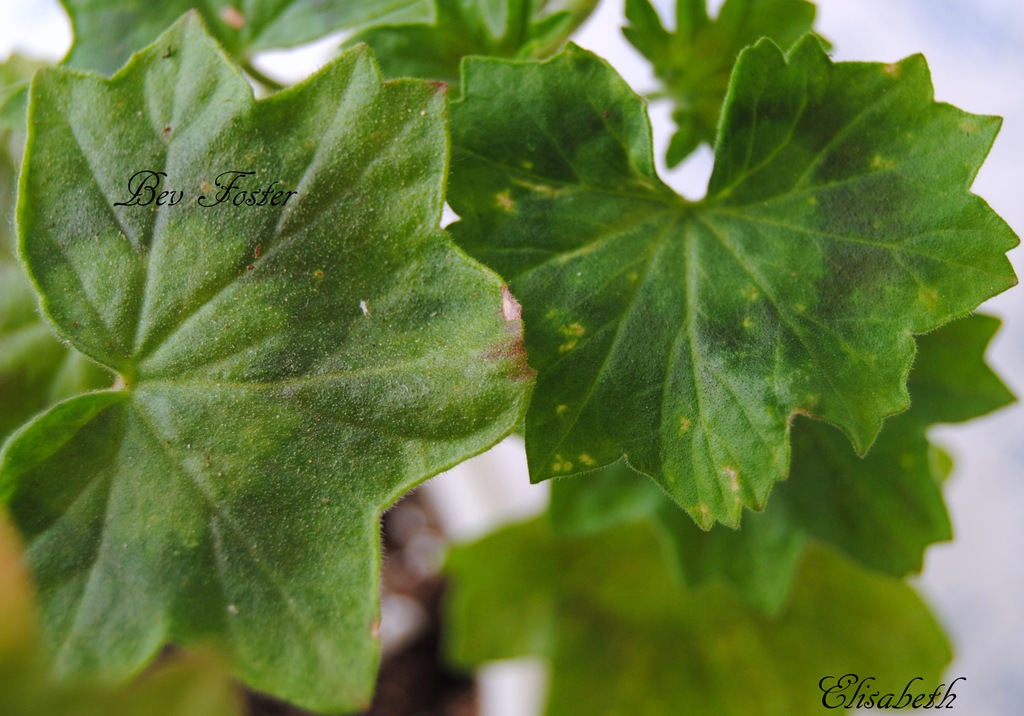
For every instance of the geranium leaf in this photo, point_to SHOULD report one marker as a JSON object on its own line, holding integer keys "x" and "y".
{"x": 694, "y": 62}
{"x": 107, "y": 33}
{"x": 191, "y": 686}
{"x": 883, "y": 509}
{"x": 495, "y": 28}
{"x": 685, "y": 336}
{"x": 886, "y": 508}
{"x": 36, "y": 369}
{"x": 15, "y": 73}
{"x": 615, "y": 618}
{"x": 287, "y": 370}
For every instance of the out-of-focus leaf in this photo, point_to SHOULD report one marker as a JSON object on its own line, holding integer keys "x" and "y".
{"x": 497, "y": 28}
{"x": 287, "y": 367}
{"x": 622, "y": 636}
{"x": 838, "y": 222}
{"x": 15, "y": 73}
{"x": 694, "y": 62}
{"x": 107, "y": 32}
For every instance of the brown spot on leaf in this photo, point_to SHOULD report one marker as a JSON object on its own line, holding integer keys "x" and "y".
{"x": 510, "y": 308}
{"x": 233, "y": 18}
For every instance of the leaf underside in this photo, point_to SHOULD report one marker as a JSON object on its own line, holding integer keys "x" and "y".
{"x": 686, "y": 337}
{"x": 286, "y": 371}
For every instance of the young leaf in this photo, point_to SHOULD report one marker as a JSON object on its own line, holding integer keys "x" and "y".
{"x": 838, "y": 222}
{"x": 883, "y": 510}
{"x": 193, "y": 686}
{"x": 106, "y": 34}
{"x": 695, "y": 61}
{"x": 496, "y": 28}
{"x": 287, "y": 370}
{"x": 608, "y": 614}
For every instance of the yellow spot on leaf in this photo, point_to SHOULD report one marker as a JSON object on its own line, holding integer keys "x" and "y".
{"x": 880, "y": 162}
{"x": 893, "y": 70}
{"x": 572, "y": 332}
{"x": 684, "y": 424}
{"x": 929, "y": 296}
{"x": 734, "y": 479}
{"x": 560, "y": 410}
{"x": 561, "y": 465}
{"x": 587, "y": 460}
{"x": 504, "y": 201}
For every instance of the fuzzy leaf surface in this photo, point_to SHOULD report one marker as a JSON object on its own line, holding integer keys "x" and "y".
{"x": 107, "y": 33}
{"x": 36, "y": 369}
{"x": 192, "y": 686}
{"x": 882, "y": 510}
{"x": 694, "y": 62}
{"x": 615, "y": 618}
{"x": 495, "y": 28}
{"x": 286, "y": 371}
{"x": 685, "y": 337}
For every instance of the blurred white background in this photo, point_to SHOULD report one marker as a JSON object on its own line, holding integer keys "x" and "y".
{"x": 975, "y": 49}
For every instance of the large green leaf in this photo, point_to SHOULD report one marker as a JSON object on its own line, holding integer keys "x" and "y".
{"x": 36, "y": 369}
{"x": 107, "y": 32}
{"x": 883, "y": 510}
{"x": 695, "y": 61}
{"x": 192, "y": 686}
{"x": 838, "y": 222}
{"x": 622, "y": 636}
{"x": 496, "y": 28}
{"x": 286, "y": 370}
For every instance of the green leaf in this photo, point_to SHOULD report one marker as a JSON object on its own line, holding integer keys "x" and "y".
{"x": 107, "y": 33}
{"x": 286, "y": 370}
{"x": 694, "y": 62}
{"x": 686, "y": 337}
{"x": 886, "y": 508}
{"x": 36, "y": 369}
{"x": 190, "y": 686}
{"x": 15, "y": 73}
{"x": 759, "y": 560}
{"x": 615, "y": 618}
{"x": 883, "y": 510}
{"x": 496, "y": 28}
